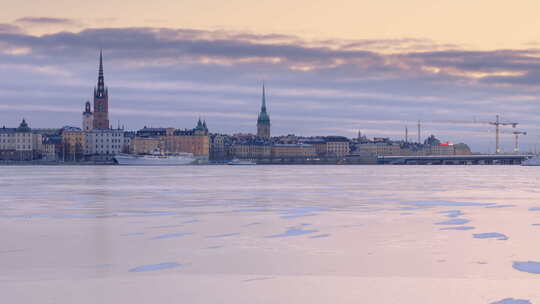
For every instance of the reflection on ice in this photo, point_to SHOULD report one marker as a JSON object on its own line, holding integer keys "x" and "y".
{"x": 452, "y": 213}
{"x": 170, "y": 235}
{"x": 457, "y": 221}
{"x": 295, "y": 231}
{"x": 501, "y": 206}
{"x": 155, "y": 267}
{"x": 491, "y": 235}
{"x": 300, "y": 212}
{"x": 318, "y": 236}
{"x": 223, "y": 235}
{"x": 512, "y": 301}
{"x": 447, "y": 204}
{"x": 530, "y": 267}
{"x": 458, "y": 228}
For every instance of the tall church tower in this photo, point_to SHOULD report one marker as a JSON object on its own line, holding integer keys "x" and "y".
{"x": 88, "y": 118}
{"x": 263, "y": 122}
{"x": 101, "y": 100}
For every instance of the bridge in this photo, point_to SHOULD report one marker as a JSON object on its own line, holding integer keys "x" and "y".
{"x": 477, "y": 159}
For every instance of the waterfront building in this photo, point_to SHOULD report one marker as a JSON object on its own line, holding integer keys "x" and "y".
{"x": 103, "y": 144}
{"x": 88, "y": 118}
{"x": 263, "y": 121}
{"x": 318, "y": 143}
{"x": 74, "y": 141}
{"x": 217, "y": 147}
{"x": 171, "y": 140}
{"x": 128, "y": 137}
{"x": 52, "y": 148}
{"x": 251, "y": 150}
{"x": 293, "y": 151}
{"x": 145, "y": 145}
{"x": 19, "y": 143}
{"x": 101, "y": 100}
{"x": 337, "y": 146}
{"x": 374, "y": 149}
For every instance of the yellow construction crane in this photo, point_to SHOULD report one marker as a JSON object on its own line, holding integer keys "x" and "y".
{"x": 497, "y": 125}
{"x": 517, "y": 134}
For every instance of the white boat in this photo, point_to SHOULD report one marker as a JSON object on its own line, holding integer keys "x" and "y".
{"x": 156, "y": 159}
{"x": 241, "y": 162}
{"x": 533, "y": 161}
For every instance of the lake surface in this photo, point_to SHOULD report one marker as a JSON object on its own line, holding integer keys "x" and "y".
{"x": 270, "y": 234}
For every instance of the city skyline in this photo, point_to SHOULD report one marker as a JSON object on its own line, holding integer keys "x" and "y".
{"x": 169, "y": 75}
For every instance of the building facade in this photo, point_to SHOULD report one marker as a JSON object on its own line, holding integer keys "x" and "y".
{"x": 104, "y": 143}
{"x": 74, "y": 142}
{"x": 19, "y": 144}
{"x": 337, "y": 146}
{"x": 293, "y": 151}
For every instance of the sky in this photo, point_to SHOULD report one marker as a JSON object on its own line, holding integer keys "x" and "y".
{"x": 330, "y": 67}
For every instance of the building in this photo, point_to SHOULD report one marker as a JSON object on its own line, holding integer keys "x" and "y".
{"x": 52, "y": 148}
{"x": 74, "y": 141}
{"x": 195, "y": 143}
{"x": 263, "y": 121}
{"x": 217, "y": 147}
{"x": 293, "y": 151}
{"x": 251, "y": 150}
{"x": 19, "y": 144}
{"x": 145, "y": 145}
{"x": 318, "y": 143}
{"x": 171, "y": 140}
{"x": 88, "y": 118}
{"x": 201, "y": 129}
{"x": 103, "y": 144}
{"x": 101, "y": 101}
{"x": 337, "y": 146}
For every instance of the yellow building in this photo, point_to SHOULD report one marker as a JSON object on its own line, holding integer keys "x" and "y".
{"x": 74, "y": 141}
{"x": 199, "y": 145}
{"x": 251, "y": 151}
{"x": 293, "y": 150}
{"x": 144, "y": 145}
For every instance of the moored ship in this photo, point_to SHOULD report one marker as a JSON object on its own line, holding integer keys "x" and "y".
{"x": 156, "y": 159}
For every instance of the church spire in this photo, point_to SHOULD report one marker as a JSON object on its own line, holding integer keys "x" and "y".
{"x": 263, "y": 121}
{"x": 101, "y": 91}
{"x": 263, "y": 107}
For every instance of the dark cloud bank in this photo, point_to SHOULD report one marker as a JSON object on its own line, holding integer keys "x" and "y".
{"x": 168, "y": 77}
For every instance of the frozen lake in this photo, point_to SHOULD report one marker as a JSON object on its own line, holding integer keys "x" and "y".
{"x": 270, "y": 234}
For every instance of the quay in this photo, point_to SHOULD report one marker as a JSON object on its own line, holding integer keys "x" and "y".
{"x": 475, "y": 159}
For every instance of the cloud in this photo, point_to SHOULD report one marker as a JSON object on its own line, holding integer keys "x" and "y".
{"x": 10, "y": 29}
{"x": 163, "y": 76}
{"x": 45, "y": 20}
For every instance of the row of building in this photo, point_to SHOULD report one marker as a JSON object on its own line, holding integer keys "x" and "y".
{"x": 96, "y": 140}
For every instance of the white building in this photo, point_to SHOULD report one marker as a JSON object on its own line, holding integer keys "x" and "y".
{"x": 104, "y": 142}
{"x": 19, "y": 143}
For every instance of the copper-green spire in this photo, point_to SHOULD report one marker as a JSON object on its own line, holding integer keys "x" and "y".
{"x": 264, "y": 118}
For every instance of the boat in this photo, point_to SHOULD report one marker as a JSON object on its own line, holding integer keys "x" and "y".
{"x": 241, "y": 162}
{"x": 156, "y": 159}
{"x": 533, "y": 161}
